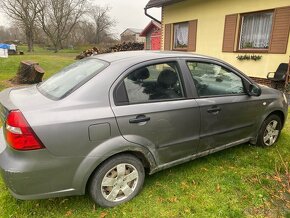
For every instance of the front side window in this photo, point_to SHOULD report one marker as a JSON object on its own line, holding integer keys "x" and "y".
{"x": 214, "y": 80}
{"x": 181, "y": 35}
{"x": 256, "y": 30}
{"x": 154, "y": 83}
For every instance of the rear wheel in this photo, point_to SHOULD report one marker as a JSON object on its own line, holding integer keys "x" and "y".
{"x": 270, "y": 131}
{"x": 117, "y": 180}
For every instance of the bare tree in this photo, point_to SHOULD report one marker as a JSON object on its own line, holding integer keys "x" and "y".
{"x": 10, "y": 34}
{"x": 59, "y": 17}
{"x": 86, "y": 28}
{"x": 4, "y": 33}
{"x": 101, "y": 21}
{"x": 127, "y": 38}
{"x": 16, "y": 34}
{"x": 24, "y": 12}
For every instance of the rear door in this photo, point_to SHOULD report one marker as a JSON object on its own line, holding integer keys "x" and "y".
{"x": 152, "y": 109}
{"x": 228, "y": 114}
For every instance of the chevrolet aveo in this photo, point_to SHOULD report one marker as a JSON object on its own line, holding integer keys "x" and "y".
{"x": 100, "y": 123}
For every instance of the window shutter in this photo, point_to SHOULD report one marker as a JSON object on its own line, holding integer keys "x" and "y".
{"x": 230, "y": 32}
{"x": 192, "y": 31}
{"x": 167, "y": 37}
{"x": 280, "y": 31}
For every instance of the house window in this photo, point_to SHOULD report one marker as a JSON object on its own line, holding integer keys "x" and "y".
{"x": 256, "y": 30}
{"x": 181, "y": 35}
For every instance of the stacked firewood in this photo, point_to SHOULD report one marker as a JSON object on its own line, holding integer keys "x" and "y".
{"x": 125, "y": 46}
{"x": 88, "y": 53}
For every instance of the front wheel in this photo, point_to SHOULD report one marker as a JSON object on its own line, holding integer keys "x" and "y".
{"x": 117, "y": 180}
{"x": 270, "y": 131}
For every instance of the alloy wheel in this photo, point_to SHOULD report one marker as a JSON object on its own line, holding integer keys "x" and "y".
{"x": 271, "y": 133}
{"x": 119, "y": 182}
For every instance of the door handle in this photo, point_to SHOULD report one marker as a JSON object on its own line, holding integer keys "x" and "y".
{"x": 139, "y": 119}
{"x": 214, "y": 110}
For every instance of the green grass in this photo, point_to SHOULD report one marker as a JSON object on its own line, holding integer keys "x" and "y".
{"x": 236, "y": 182}
{"x": 51, "y": 62}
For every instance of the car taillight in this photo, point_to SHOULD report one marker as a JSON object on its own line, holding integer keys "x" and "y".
{"x": 19, "y": 134}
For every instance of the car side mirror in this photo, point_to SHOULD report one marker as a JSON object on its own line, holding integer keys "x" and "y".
{"x": 254, "y": 90}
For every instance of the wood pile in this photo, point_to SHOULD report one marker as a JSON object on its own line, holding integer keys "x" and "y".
{"x": 88, "y": 53}
{"x": 125, "y": 46}
{"x": 29, "y": 72}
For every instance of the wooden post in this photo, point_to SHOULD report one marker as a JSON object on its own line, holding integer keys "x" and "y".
{"x": 287, "y": 80}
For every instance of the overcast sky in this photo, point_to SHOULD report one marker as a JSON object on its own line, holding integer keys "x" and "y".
{"x": 126, "y": 13}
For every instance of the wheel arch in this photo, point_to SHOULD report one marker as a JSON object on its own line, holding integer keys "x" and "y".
{"x": 137, "y": 154}
{"x": 106, "y": 151}
{"x": 280, "y": 114}
{"x": 277, "y": 112}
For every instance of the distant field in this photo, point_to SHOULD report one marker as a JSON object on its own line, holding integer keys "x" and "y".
{"x": 244, "y": 181}
{"x": 51, "y": 62}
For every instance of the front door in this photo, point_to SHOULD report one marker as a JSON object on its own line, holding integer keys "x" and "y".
{"x": 228, "y": 114}
{"x": 155, "y": 112}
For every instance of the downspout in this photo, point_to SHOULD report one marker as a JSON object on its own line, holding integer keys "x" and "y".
{"x": 148, "y": 15}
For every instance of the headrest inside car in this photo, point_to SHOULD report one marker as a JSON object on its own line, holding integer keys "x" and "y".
{"x": 167, "y": 78}
{"x": 140, "y": 74}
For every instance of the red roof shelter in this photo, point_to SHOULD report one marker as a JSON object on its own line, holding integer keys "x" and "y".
{"x": 152, "y": 32}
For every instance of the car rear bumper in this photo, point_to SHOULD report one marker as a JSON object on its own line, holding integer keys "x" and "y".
{"x": 36, "y": 174}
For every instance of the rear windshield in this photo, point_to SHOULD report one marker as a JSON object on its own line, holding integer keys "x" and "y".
{"x": 70, "y": 78}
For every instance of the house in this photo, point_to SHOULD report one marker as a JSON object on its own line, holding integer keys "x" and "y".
{"x": 132, "y": 35}
{"x": 229, "y": 30}
{"x": 152, "y": 33}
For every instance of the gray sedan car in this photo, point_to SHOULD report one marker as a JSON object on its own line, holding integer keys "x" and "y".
{"x": 100, "y": 123}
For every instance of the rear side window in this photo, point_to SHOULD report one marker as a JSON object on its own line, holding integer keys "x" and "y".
{"x": 70, "y": 78}
{"x": 158, "y": 82}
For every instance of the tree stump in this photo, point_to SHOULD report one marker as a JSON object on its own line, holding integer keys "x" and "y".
{"x": 29, "y": 72}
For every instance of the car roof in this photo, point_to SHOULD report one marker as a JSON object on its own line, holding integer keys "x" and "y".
{"x": 144, "y": 55}
{"x": 129, "y": 58}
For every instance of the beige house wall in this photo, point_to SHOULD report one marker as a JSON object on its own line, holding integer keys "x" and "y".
{"x": 210, "y": 30}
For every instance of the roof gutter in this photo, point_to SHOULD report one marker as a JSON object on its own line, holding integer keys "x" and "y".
{"x": 148, "y": 15}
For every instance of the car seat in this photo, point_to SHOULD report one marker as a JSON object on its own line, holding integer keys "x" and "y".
{"x": 166, "y": 83}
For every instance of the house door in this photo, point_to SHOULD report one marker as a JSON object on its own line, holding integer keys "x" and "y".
{"x": 155, "y": 43}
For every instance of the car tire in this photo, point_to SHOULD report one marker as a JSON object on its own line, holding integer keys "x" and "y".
{"x": 117, "y": 180}
{"x": 270, "y": 131}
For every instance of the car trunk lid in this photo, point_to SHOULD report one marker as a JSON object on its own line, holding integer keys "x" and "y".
{"x": 25, "y": 99}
